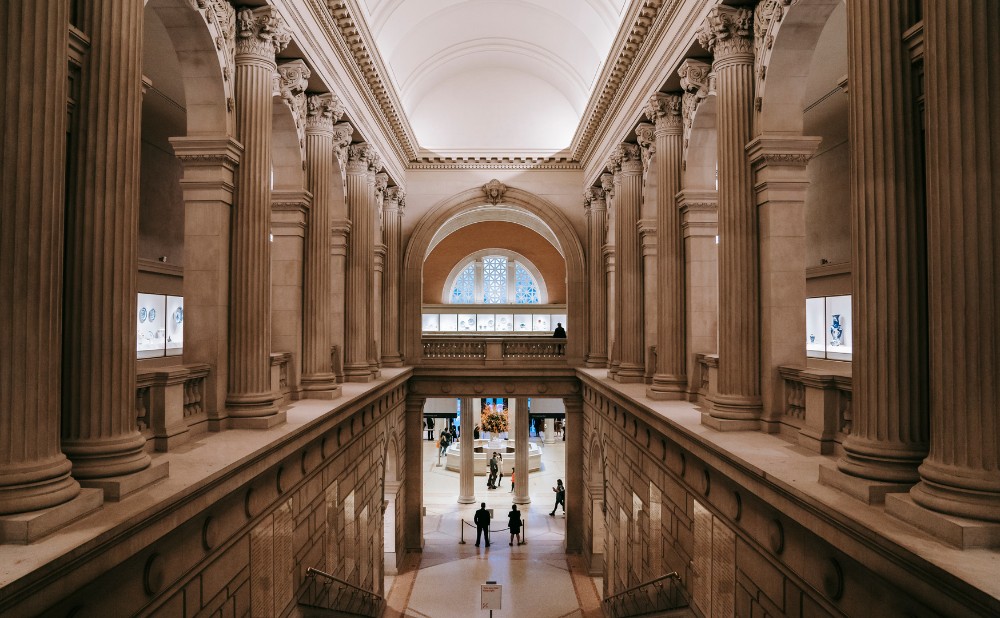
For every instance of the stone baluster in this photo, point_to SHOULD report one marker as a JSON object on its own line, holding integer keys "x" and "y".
{"x": 34, "y": 473}
{"x": 728, "y": 34}
{"x": 467, "y": 471}
{"x": 521, "y": 462}
{"x": 374, "y": 313}
{"x": 392, "y": 217}
{"x": 670, "y": 378}
{"x": 889, "y": 431}
{"x": 360, "y": 255}
{"x": 261, "y": 33}
{"x": 626, "y": 164}
{"x": 608, "y": 186}
{"x": 340, "y": 229}
{"x": 99, "y": 430}
{"x": 961, "y": 475}
{"x": 596, "y": 212}
{"x": 318, "y": 380}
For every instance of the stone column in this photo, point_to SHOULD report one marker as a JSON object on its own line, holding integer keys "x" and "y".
{"x": 34, "y": 473}
{"x": 961, "y": 475}
{"x": 318, "y": 380}
{"x": 596, "y": 212}
{"x": 521, "y": 495}
{"x": 340, "y": 229}
{"x": 889, "y": 428}
{"x": 392, "y": 217}
{"x": 413, "y": 460}
{"x": 608, "y": 186}
{"x": 550, "y": 431}
{"x": 626, "y": 164}
{"x": 381, "y": 182}
{"x": 99, "y": 432}
{"x": 574, "y": 474}
{"x": 728, "y": 34}
{"x": 360, "y": 256}
{"x": 261, "y": 33}
{"x": 699, "y": 226}
{"x": 467, "y": 477}
{"x": 670, "y": 378}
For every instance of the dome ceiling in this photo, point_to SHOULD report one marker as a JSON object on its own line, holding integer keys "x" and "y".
{"x": 494, "y": 76}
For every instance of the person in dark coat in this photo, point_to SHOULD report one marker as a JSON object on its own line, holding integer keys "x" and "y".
{"x": 482, "y": 520}
{"x": 514, "y": 522}
{"x": 491, "y": 482}
{"x": 560, "y": 490}
{"x": 475, "y": 432}
{"x": 560, "y": 332}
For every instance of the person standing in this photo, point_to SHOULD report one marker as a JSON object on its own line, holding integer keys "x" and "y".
{"x": 559, "y": 332}
{"x": 514, "y": 522}
{"x": 475, "y": 432}
{"x": 482, "y": 519}
{"x": 511, "y": 480}
{"x": 560, "y": 490}
{"x": 491, "y": 482}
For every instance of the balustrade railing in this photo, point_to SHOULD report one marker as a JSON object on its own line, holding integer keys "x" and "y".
{"x": 324, "y": 591}
{"x": 492, "y": 350}
{"x": 169, "y": 400}
{"x": 548, "y": 348}
{"x": 817, "y": 402}
{"x": 661, "y": 594}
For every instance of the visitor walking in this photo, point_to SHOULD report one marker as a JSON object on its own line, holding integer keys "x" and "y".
{"x": 491, "y": 482}
{"x": 514, "y": 522}
{"x": 482, "y": 519}
{"x": 475, "y": 432}
{"x": 511, "y": 480}
{"x": 560, "y": 490}
{"x": 442, "y": 444}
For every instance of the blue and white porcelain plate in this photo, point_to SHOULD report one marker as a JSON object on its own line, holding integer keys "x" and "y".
{"x": 152, "y": 314}
{"x": 179, "y": 315}
{"x": 142, "y": 314}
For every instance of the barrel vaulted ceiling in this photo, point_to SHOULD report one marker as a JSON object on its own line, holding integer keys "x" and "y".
{"x": 494, "y": 76}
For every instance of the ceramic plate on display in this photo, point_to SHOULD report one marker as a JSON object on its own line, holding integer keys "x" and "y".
{"x": 152, "y": 314}
{"x": 142, "y": 314}
{"x": 179, "y": 315}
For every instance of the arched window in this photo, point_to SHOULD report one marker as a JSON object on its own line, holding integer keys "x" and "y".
{"x": 495, "y": 276}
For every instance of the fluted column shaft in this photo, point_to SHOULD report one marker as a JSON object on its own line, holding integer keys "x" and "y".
{"x": 466, "y": 478}
{"x": 521, "y": 465}
{"x": 260, "y": 34}
{"x": 380, "y": 182}
{"x": 318, "y": 380}
{"x": 34, "y": 473}
{"x": 889, "y": 427}
{"x": 596, "y": 211}
{"x": 392, "y": 216}
{"x": 99, "y": 427}
{"x": 359, "y": 259}
{"x": 627, "y": 163}
{"x": 670, "y": 378}
{"x": 961, "y": 475}
{"x": 728, "y": 35}
{"x": 609, "y": 182}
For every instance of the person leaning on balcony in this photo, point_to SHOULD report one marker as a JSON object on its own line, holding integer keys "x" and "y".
{"x": 560, "y": 332}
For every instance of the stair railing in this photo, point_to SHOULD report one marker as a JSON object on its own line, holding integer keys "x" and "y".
{"x": 663, "y": 593}
{"x": 335, "y": 594}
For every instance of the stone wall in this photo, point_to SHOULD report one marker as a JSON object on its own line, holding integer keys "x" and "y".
{"x": 240, "y": 542}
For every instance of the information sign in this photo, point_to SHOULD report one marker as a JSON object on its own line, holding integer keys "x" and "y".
{"x": 491, "y": 594}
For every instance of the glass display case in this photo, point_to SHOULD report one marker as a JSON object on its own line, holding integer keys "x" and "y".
{"x": 449, "y": 322}
{"x": 505, "y": 322}
{"x": 175, "y": 325}
{"x": 442, "y": 322}
{"x": 541, "y": 323}
{"x": 430, "y": 323}
{"x": 151, "y": 325}
{"x": 522, "y": 322}
{"x": 829, "y": 330}
{"x": 466, "y": 322}
{"x": 486, "y": 322}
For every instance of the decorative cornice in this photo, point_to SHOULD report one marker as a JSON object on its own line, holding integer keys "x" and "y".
{"x": 260, "y": 33}
{"x": 355, "y": 39}
{"x": 493, "y": 163}
{"x": 645, "y": 134}
{"x": 664, "y": 110}
{"x": 494, "y": 191}
{"x": 322, "y": 111}
{"x": 728, "y": 32}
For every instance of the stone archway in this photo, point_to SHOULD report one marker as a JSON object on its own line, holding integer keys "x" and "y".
{"x": 519, "y": 200}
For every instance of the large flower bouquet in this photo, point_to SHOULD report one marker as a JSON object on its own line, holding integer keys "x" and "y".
{"x": 494, "y": 422}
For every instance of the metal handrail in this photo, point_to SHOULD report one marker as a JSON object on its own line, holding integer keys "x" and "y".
{"x": 629, "y": 596}
{"x": 367, "y": 596}
{"x": 671, "y": 575}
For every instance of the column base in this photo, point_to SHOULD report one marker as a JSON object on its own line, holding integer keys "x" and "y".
{"x": 319, "y": 387}
{"x": 27, "y": 528}
{"x": 257, "y": 422}
{"x": 728, "y": 424}
{"x": 596, "y": 361}
{"x": 735, "y": 408}
{"x": 890, "y": 462}
{"x": 358, "y": 373}
{"x": 524, "y": 500}
{"x": 394, "y": 360}
{"x": 974, "y": 494}
{"x": 957, "y": 531}
{"x": 251, "y": 405}
{"x": 40, "y": 485}
{"x": 101, "y": 458}
{"x": 117, "y": 487}
{"x": 865, "y": 490}
{"x": 667, "y": 388}
{"x": 629, "y": 373}
{"x": 466, "y": 499}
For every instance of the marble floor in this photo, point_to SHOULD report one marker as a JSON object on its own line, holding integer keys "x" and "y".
{"x": 539, "y": 579}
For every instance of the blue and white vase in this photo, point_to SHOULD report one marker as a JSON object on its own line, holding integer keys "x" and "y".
{"x": 836, "y": 331}
{"x": 812, "y": 338}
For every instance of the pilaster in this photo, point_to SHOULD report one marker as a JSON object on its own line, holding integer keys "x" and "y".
{"x": 394, "y": 204}
{"x": 626, "y": 164}
{"x": 290, "y": 211}
{"x": 595, "y": 207}
{"x": 608, "y": 185}
{"x": 374, "y": 313}
{"x": 413, "y": 515}
{"x": 698, "y": 212}
{"x": 574, "y": 474}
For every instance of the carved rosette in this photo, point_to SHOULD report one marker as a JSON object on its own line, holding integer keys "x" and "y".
{"x": 322, "y": 110}
{"x": 260, "y": 34}
{"x": 625, "y": 158}
{"x": 664, "y": 110}
{"x": 494, "y": 191}
{"x": 221, "y": 19}
{"x": 645, "y": 134}
{"x": 728, "y": 33}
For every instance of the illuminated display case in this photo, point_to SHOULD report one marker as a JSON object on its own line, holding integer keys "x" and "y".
{"x": 159, "y": 325}
{"x": 829, "y": 327}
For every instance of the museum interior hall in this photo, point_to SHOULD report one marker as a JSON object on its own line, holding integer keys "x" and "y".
{"x": 294, "y": 294}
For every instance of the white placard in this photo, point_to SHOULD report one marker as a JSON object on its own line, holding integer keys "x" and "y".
{"x": 491, "y": 594}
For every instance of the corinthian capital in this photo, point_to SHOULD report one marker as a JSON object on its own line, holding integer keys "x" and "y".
{"x": 728, "y": 32}
{"x": 645, "y": 134}
{"x": 341, "y": 141}
{"x": 593, "y": 197}
{"x": 381, "y": 182}
{"x": 608, "y": 185}
{"x": 625, "y": 158}
{"x": 260, "y": 33}
{"x": 360, "y": 157}
{"x": 694, "y": 75}
{"x": 395, "y": 199}
{"x": 665, "y": 111}
{"x": 322, "y": 110}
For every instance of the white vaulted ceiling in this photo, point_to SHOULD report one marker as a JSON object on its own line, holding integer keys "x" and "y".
{"x": 494, "y": 76}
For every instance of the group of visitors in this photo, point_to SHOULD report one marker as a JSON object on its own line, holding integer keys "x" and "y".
{"x": 482, "y": 520}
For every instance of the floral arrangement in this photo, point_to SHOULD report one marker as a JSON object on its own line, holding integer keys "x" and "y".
{"x": 494, "y": 421}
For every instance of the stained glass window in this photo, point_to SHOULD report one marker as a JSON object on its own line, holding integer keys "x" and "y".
{"x": 526, "y": 291}
{"x": 463, "y": 292}
{"x": 494, "y": 279}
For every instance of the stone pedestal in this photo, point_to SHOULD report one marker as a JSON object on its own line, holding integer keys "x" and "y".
{"x": 737, "y": 404}
{"x": 670, "y": 376}
{"x": 393, "y": 205}
{"x": 318, "y": 379}
{"x": 466, "y": 481}
{"x": 626, "y": 164}
{"x": 251, "y": 400}
{"x": 889, "y": 401}
{"x": 520, "y": 429}
{"x": 99, "y": 431}
{"x": 34, "y": 473}
{"x": 596, "y": 212}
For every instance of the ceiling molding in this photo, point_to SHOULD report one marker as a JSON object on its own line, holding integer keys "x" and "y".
{"x": 499, "y": 162}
